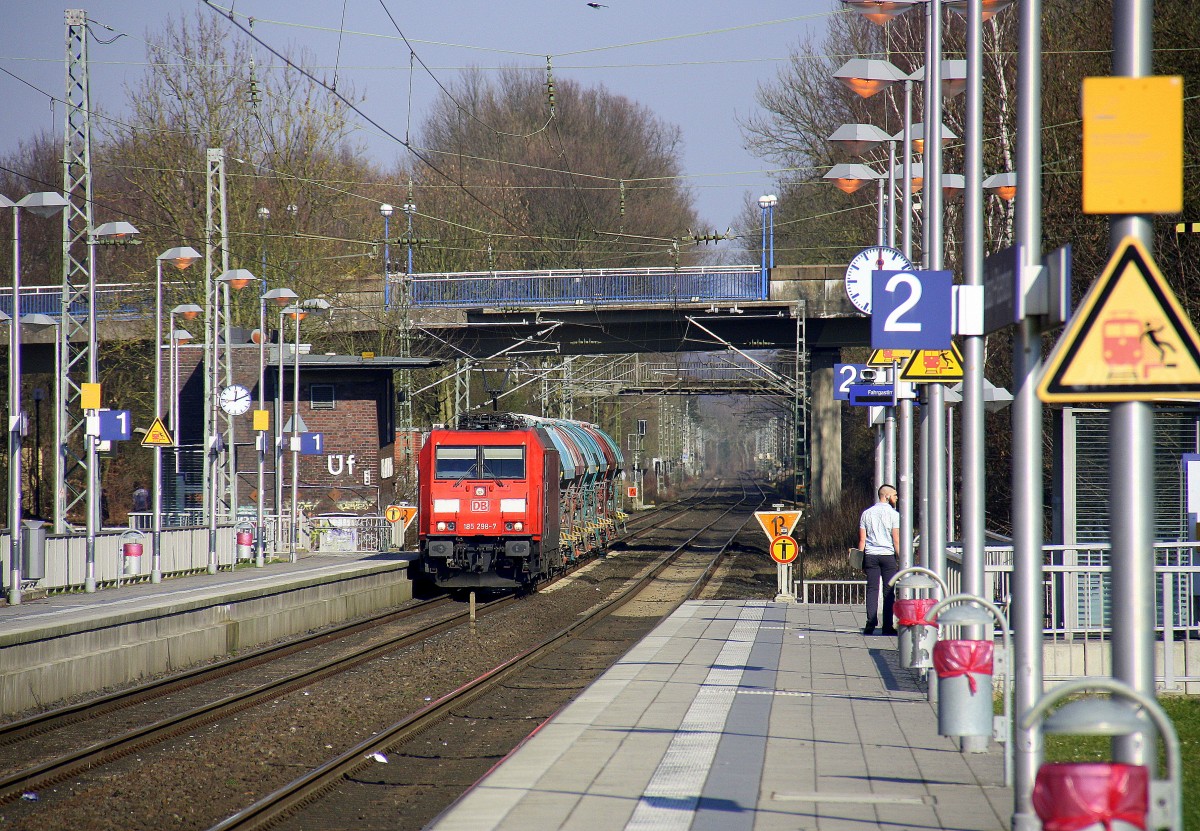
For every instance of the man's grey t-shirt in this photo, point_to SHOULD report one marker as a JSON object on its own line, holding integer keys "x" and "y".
{"x": 879, "y": 520}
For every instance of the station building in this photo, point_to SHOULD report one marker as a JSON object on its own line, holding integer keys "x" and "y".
{"x": 350, "y": 401}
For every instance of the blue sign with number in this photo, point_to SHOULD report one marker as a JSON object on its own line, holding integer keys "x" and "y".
{"x": 911, "y": 309}
{"x": 871, "y": 395}
{"x": 845, "y": 375}
{"x": 312, "y": 444}
{"x": 115, "y": 425}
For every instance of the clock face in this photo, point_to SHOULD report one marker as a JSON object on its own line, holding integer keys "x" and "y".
{"x": 858, "y": 273}
{"x": 235, "y": 399}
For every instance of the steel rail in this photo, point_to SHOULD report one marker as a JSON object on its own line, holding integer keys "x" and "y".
{"x": 294, "y": 795}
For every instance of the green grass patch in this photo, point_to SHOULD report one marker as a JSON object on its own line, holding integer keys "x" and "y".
{"x": 1184, "y": 713}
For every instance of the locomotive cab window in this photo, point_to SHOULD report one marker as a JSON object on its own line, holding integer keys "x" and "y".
{"x": 456, "y": 463}
{"x": 504, "y": 463}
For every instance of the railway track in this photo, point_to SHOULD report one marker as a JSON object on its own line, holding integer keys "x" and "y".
{"x": 37, "y": 776}
{"x": 695, "y": 557}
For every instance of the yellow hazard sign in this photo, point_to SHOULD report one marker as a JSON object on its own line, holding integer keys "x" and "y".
{"x": 887, "y": 357}
{"x": 934, "y": 366}
{"x": 784, "y": 550}
{"x": 158, "y": 435}
{"x": 1131, "y": 340}
{"x": 777, "y": 523}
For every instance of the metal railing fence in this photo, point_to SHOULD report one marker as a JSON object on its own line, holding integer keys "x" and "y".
{"x": 1077, "y": 626}
{"x": 583, "y": 287}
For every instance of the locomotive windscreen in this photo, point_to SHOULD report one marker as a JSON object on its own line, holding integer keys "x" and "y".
{"x": 480, "y": 463}
{"x": 457, "y": 463}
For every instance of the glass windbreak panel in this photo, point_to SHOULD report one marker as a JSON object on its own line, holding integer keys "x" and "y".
{"x": 456, "y": 463}
{"x": 504, "y": 463}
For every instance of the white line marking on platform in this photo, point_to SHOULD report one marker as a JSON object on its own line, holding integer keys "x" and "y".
{"x": 675, "y": 788}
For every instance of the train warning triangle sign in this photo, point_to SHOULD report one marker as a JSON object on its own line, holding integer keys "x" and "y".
{"x": 1131, "y": 340}
{"x": 887, "y": 357}
{"x": 934, "y": 366}
{"x": 158, "y": 435}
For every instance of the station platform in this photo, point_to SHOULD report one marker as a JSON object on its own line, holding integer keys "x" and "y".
{"x": 744, "y": 715}
{"x": 63, "y": 645}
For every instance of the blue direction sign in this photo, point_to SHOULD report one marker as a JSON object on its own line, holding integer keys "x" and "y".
{"x": 115, "y": 425}
{"x": 871, "y": 395}
{"x": 312, "y": 444}
{"x": 847, "y": 375}
{"x": 911, "y": 309}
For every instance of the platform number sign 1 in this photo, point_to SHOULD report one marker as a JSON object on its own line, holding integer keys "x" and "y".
{"x": 911, "y": 309}
{"x": 312, "y": 444}
{"x": 115, "y": 425}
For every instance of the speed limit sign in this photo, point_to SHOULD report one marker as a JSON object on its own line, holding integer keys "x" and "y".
{"x": 784, "y": 550}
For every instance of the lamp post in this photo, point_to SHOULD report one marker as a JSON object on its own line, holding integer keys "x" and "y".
{"x": 188, "y": 311}
{"x": 45, "y": 205}
{"x": 385, "y": 210}
{"x": 181, "y": 257}
{"x": 281, "y": 297}
{"x": 767, "y": 203}
{"x": 298, "y": 311}
{"x": 114, "y": 232}
{"x": 409, "y": 209}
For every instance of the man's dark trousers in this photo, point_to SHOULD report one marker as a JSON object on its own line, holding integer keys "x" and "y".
{"x": 880, "y": 569}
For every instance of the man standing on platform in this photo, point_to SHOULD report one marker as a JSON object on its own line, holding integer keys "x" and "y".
{"x": 879, "y": 540}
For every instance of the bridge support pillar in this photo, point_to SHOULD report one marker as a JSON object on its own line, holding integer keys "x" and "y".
{"x": 826, "y": 430}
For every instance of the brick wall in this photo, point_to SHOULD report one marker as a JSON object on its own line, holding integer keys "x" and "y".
{"x": 357, "y": 432}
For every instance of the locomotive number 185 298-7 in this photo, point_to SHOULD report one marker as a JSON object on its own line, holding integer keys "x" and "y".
{"x": 480, "y": 526}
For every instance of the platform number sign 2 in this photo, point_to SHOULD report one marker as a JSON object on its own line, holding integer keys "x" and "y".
{"x": 911, "y": 309}
{"x": 846, "y": 376}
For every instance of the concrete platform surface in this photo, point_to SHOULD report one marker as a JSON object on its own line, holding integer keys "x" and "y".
{"x": 63, "y": 645}
{"x": 744, "y": 715}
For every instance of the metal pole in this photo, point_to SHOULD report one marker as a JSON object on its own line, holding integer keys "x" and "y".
{"x": 260, "y": 436}
{"x": 764, "y": 244}
{"x": 387, "y": 262}
{"x": 279, "y": 342}
{"x": 1028, "y": 602}
{"x": 879, "y": 214}
{"x": 156, "y": 473}
{"x": 771, "y": 214}
{"x": 973, "y": 486}
{"x": 92, "y": 465}
{"x": 889, "y": 444}
{"x": 891, "y": 195}
{"x": 14, "y": 420}
{"x": 1131, "y": 452}
{"x": 296, "y": 439}
{"x": 905, "y": 477}
{"x": 906, "y": 149}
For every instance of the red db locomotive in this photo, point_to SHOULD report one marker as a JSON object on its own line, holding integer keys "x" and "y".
{"x": 506, "y": 500}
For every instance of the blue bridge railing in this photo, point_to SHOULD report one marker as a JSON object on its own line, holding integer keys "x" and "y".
{"x": 584, "y": 287}
{"x": 505, "y": 289}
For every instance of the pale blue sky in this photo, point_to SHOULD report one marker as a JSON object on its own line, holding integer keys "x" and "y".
{"x": 695, "y": 64}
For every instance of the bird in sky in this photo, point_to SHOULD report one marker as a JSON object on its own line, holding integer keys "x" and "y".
{"x": 598, "y": 5}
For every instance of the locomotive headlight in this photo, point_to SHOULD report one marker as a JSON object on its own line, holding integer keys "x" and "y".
{"x": 451, "y": 524}
{"x": 508, "y": 526}
{"x": 480, "y": 490}
{"x": 519, "y": 526}
{"x": 441, "y": 526}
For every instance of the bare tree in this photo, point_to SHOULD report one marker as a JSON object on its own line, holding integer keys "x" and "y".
{"x": 593, "y": 181}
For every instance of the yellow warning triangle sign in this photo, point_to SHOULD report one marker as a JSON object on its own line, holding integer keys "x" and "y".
{"x": 158, "y": 435}
{"x": 777, "y": 523}
{"x": 1130, "y": 340}
{"x": 934, "y": 366}
{"x": 887, "y": 357}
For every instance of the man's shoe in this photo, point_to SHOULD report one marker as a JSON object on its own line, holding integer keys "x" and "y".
{"x": 889, "y": 631}
{"x": 868, "y": 630}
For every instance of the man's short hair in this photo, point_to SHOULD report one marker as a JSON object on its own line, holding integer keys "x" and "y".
{"x": 885, "y": 489}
